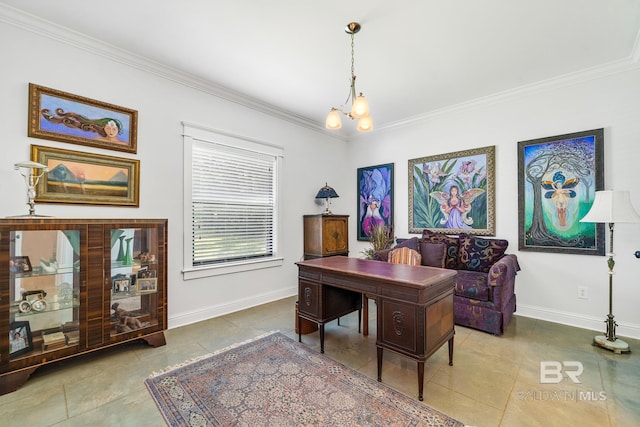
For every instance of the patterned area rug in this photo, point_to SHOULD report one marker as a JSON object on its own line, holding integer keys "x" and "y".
{"x": 273, "y": 380}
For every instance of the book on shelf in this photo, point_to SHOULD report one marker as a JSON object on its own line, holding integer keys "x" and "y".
{"x": 54, "y": 340}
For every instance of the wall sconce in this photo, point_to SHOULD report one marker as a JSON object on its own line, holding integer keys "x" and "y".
{"x": 326, "y": 193}
{"x": 32, "y": 172}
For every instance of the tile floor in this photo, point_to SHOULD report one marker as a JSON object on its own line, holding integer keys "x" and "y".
{"x": 495, "y": 381}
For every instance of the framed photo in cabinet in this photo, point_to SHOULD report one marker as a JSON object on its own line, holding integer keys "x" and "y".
{"x": 20, "y": 264}
{"x": 147, "y": 286}
{"x": 20, "y": 340}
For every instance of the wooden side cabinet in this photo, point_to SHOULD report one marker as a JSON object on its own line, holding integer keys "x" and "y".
{"x": 73, "y": 286}
{"x": 326, "y": 235}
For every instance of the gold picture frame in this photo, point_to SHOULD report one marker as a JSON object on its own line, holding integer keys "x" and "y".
{"x": 75, "y": 177}
{"x": 65, "y": 117}
{"x": 465, "y": 177}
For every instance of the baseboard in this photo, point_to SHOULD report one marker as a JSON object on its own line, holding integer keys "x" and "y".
{"x": 187, "y": 318}
{"x": 578, "y": 320}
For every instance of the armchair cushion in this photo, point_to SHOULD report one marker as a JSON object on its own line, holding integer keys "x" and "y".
{"x": 472, "y": 285}
{"x": 478, "y": 254}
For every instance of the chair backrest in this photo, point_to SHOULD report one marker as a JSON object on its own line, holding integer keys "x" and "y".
{"x": 405, "y": 256}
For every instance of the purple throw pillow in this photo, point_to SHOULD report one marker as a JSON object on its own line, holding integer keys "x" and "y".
{"x": 433, "y": 254}
{"x": 451, "y": 259}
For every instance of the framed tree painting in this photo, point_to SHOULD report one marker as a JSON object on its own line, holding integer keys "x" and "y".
{"x": 65, "y": 117}
{"x": 375, "y": 199}
{"x": 557, "y": 180}
{"x": 453, "y": 193}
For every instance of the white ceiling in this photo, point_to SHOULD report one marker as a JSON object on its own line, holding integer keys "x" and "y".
{"x": 413, "y": 57}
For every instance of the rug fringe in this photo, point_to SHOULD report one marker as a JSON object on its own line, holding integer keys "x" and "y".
{"x": 204, "y": 356}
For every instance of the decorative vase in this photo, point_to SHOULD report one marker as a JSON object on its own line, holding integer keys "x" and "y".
{"x": 121, "y": 250}
{"x": 128, "y": 259}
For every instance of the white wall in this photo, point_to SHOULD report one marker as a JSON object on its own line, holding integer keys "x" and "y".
{"x": 547, "y": 285}
{"x": 162, "y": 106}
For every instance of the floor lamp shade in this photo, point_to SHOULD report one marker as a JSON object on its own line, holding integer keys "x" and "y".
{"x": 611, "y": 207}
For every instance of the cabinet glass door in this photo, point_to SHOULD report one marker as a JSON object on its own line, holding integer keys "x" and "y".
{"x": 44, "y": 291}
{"x": 134, "y": 279}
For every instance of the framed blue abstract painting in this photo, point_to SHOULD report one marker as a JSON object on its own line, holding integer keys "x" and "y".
{"x": 375, "y": 199}
{"x": 557, "y": 180}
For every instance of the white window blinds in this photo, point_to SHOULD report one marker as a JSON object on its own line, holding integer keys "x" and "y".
{"x": 233, "y": 203}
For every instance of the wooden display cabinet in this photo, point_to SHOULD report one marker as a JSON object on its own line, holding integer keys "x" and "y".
{"x": 326, "y": 235}
{"x": 73, "y": 286}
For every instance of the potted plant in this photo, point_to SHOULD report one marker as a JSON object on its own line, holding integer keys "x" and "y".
{"x": 380, "y": 239}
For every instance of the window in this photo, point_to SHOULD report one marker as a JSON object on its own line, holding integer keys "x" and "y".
{"x": 231, "y": 194}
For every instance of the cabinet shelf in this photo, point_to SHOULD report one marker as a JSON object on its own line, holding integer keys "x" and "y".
{"x": 51, "y": 306}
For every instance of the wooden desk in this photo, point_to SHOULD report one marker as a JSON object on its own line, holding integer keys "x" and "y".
{"x": 414, "y": 304}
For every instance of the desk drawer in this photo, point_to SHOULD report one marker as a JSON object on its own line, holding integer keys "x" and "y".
{"x": 309, "y": 298}
{"x": 398, "y": 326}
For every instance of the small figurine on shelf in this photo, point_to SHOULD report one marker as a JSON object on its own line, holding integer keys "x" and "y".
{"x": 127, "y": 322}
{"x": 50, "y": 266}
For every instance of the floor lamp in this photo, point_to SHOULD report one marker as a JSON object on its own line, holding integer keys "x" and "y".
{"x": 611, "y": 207}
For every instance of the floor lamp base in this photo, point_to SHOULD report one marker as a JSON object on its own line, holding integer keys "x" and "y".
{"x": 618, "y": 346}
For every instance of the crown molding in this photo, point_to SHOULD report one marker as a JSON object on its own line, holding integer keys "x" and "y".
{"x": 42, "y": 27}
{"x": 570, "y": 79}
{"x": 81, "y": 41}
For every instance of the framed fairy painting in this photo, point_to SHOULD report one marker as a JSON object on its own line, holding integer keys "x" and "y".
{"x": 375, "y": 199}
{"x": 453, "y": 193}
{"x": 557, "y": 180}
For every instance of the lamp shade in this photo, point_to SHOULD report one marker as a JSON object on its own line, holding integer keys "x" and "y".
{"x": 360, "y": 107}
{"x": 611, "y": 207}
{"x": 333, "y": 120}
{"x": 326, "y": 192}
{"x": 29, "y": 164}
{"x": 365, "y": 124}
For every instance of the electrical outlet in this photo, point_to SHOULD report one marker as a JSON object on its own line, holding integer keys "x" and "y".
{"x": 583, "y": 292}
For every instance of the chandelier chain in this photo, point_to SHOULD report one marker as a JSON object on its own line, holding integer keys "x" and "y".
{"x": 352, "y": 55}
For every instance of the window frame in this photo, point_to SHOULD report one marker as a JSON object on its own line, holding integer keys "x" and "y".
{"x": 193, "y": 133}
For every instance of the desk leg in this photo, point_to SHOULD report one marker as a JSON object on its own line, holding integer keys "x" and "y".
{"x": 420, "y": 380}
{"x": 365, "y": 315}
{"x": 451, "y": 351}
{"x": 321, "y": 327}
{"x": 379, "y": 364}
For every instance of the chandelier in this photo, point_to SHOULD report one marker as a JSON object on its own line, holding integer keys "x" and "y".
{"x": 359, "y": 104}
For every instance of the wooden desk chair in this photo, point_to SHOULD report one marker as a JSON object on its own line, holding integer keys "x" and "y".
{"x": 405, "y": 256}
